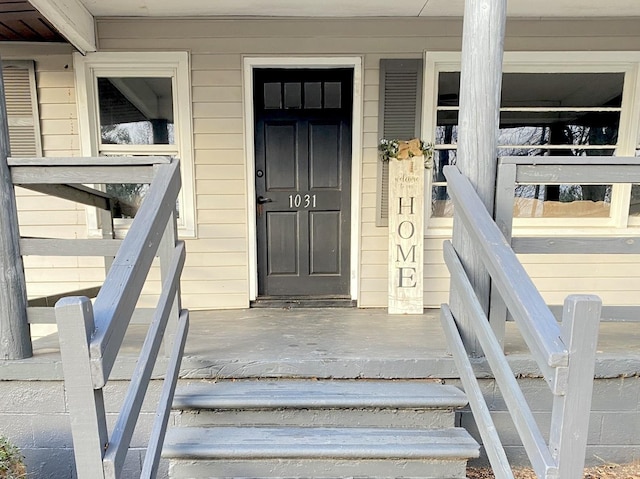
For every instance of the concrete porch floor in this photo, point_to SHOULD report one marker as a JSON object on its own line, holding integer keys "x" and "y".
{"x": 323, "y": 343}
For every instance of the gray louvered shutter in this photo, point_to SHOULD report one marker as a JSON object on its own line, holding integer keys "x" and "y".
{"x": 22, "y": 109}
{"x": 398, "y": 115}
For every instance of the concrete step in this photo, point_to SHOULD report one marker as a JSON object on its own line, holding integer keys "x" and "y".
{"x": 410, "y": 404}
{"x": 318, "y": 429}
{"x": 258, "y": 452}
{"x": 315, "y": 394}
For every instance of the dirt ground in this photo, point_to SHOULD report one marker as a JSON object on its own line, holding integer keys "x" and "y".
{"x": 606, "y": 471}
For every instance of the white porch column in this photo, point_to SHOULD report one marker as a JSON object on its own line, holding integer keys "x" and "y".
{"x": 15, "y": 340}
{"x": 480, "y": 88}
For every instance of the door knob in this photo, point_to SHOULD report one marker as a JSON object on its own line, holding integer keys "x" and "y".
{"x": 262, "y": 200}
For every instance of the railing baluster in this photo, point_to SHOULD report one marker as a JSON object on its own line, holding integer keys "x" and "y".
{"x": 166, "y": 253}
{"x": 74, "y": 316}
{"x": 570, "y": 415}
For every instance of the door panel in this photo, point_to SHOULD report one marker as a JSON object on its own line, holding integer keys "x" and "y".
{"x": 282, "y": 248}
{"x": 324, "y": 162}
{"x": 280, "y": 139}
{"x": 324, "y": 235}
{"x": 303, "y": 181}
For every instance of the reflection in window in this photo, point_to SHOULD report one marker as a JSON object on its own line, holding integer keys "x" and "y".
{"x": 542, "y": 114}
{"x": 129, "y": 193}
{"x": 136, "y": 111}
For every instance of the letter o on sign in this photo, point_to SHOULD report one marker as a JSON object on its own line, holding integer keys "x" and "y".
{"x": 406, "y": 232}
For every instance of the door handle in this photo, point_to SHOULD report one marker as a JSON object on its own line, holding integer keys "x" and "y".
{"x": 261, "y": 200}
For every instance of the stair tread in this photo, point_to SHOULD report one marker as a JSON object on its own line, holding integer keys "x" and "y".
{"x": 318, "y": 442}
{"x": 260, "y": 394}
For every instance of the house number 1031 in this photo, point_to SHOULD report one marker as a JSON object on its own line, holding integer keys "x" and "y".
{"x": 306, "y": 201}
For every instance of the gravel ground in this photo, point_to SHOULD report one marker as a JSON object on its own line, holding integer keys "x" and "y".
{"x": 606, "y": 471}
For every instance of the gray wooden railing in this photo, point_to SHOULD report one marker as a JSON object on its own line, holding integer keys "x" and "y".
{"x": 564, "y": 352}
{"x": 91, "y": 334}
{"x": 583, "y": 170}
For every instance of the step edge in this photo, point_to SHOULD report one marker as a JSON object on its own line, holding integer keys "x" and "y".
{"x": 205, "y": 397}
{"x": 460, "y": 445}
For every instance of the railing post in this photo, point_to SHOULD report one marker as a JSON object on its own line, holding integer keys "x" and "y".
{"x": 15, "y": 337}
{"x": 165, "y": 252}
{"x": 74, "y": 316}
{"x": 108, "y": 232}
{"x": 570, "y": 415}
{"x": 503, "y": 214}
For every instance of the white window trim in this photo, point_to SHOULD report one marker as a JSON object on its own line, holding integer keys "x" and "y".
{"x": 550, "y": 62}
{"x": 173, "y": 65}
{"x": 356, "y": 153}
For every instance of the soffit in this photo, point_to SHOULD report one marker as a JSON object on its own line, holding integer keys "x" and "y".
{"x": 355, "y": 8}
{"x": 19, "y": 21}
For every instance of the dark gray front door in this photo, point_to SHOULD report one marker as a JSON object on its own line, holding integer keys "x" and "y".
{"x": 303, "y": 180}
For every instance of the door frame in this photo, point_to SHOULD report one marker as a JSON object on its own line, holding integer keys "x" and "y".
{"x": 249, "y": 64}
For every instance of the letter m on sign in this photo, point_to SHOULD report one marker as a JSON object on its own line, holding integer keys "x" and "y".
{"x": 404, "y": 258}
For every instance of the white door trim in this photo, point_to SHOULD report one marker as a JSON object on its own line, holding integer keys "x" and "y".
{"x": 356, "y": 154}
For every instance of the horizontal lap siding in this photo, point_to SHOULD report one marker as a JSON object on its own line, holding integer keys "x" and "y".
{"x": 45, "y": 216}
{"x": 217, "y": 47}
{"x": 216, "y": 50}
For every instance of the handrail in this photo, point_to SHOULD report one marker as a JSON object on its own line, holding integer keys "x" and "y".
{"x": 523, "y": 419}
{"x": 91, "y": 334}
{"x": 570, "y": 380}
{"x": 126, "y": 277}
{"x": 539, "y": 327}
{"x": 123, "y": 430}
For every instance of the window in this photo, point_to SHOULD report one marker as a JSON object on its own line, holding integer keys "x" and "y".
{"x": 552, "y": 104}
{"x": 139, "y": 104}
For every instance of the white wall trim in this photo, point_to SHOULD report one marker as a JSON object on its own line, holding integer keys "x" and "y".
{"x": 72, "y": 20}
{"x": 356, "y": 154}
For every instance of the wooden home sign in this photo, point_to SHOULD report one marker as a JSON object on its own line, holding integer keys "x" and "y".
{"x": 406, "y": 236}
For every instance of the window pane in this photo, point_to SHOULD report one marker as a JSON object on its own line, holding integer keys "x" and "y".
{"x": 292, "y": 95}
{"x": 136, "y": 111}
{"x": 562, "y": 201}
{"x": 313, "y": 95}
{"x": 558, "y": 128}
{"x": 449, "y": 89}
{"x": 542, "y": 128}
{"x": 634, "y": 207}
{"x": 129, "y": 193}
{"x": 441, "y": 205}
{"x": 272, "y": 96}
{"x": 562, "y": 89}
{"x": 333, "y": 95}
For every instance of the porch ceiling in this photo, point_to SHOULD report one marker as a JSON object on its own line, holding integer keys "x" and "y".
{"x": 355, "y": 8}
{"x": 19, "y": 21}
